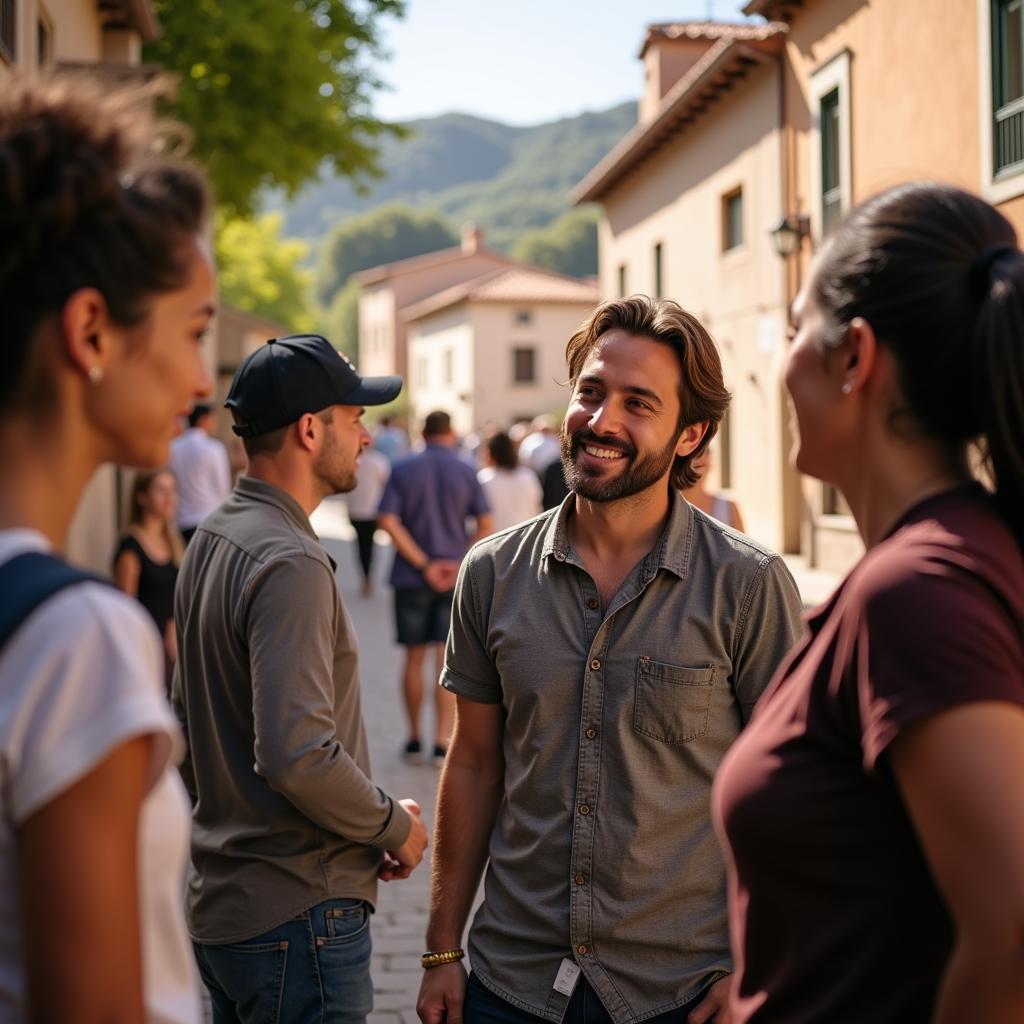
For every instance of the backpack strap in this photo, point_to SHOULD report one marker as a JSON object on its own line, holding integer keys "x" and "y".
{"x": 27, "y": 580}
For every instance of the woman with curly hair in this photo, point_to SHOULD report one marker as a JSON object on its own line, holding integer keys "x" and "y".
{"x": 106, "y": 290}
{"x": 874, "y": 808}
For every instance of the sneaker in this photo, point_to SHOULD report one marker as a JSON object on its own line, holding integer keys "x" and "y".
{"x": 412, "y": 751}
{"x": 439, "y": 755}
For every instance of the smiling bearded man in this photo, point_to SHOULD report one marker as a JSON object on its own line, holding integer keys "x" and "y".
{"x": 604, "y": 656}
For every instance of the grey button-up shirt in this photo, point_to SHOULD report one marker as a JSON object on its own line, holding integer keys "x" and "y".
{"x": 267, "y": 690}
{"x": 616, "y": 721}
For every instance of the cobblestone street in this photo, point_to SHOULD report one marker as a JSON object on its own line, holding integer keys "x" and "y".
{"x": 401, "y": 918}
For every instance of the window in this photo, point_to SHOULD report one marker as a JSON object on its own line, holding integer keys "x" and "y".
{"x": 622, "y": 280}
{"x": 447, "y": 367}
{"x": 1007, "y": 86}
{"x": 831, "y": 186}
{"x": 524, "y": 317}
{"x": 8, "y": 30}
{"x": 524, "y": 366}
{"x": 830, "y": 105}
{"x": 657, "y": 271}
{"x": 732, "y": 220}
{"x": 422, "y": 371}
{"x": 44, "y": 44}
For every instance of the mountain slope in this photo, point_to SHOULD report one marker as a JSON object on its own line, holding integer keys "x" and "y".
{"x": 507, "y": 179}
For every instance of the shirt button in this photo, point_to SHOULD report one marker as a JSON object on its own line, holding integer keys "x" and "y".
{"x": 584, "y": 809}
{"x": 592, "y": 602}
{"x": 590, "y": 733}
{"x": 595, "y": 664}
{"x": 579, "y": 879}
{"x": 582, "y": 950}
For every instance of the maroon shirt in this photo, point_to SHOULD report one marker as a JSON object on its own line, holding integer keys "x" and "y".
{"x": 834, "y": 914}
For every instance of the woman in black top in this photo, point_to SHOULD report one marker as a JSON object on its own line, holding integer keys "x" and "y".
{"x": 148, "y": 555}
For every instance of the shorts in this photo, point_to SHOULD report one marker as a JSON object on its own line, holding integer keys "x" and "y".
{"x": 422, "y": 615}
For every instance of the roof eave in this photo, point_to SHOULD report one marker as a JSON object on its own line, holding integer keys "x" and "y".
{"x": 687, "y": 104}
{"x": 774, "y": 10}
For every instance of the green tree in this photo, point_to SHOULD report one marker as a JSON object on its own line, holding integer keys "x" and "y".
{"x": 341, "y": 321}
{"x": 259, "y": 272}
{"x": 275, "y": 91}
{"x": 569, "y": 245}
{"x": 381, "y": 235}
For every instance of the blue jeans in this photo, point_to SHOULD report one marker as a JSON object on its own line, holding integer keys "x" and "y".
{"x": 484, "y": 1007}
{"x": 315, "y": 967}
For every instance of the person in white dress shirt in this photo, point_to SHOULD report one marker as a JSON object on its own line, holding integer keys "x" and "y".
{"x": 201, "y": 469}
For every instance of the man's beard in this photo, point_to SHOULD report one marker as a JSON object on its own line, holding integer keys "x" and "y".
{"x": 331, "y": 471}
{"x": 639, "y": 474}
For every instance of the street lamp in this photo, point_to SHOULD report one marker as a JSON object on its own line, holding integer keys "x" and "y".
{"x": 789, "y": 233}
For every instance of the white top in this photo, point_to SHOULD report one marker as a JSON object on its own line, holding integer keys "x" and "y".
{"x": 82, "y": 675}
{"x": 372, "y": 472}
{"x": 539, "y": 450}
{"x": 203, "y": 473}
{"x": 515, "y": 495}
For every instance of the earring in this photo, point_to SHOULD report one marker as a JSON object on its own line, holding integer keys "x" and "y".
{"x": 95, "y": 374}
{"x": 846, "y": 388}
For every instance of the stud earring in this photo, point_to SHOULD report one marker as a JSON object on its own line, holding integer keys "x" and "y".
{"x": 847, "y": 388}
{"x": 95, "y": 374}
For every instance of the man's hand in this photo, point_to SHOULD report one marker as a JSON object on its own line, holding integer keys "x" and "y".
{"x": 401, "y": 862}
{"x": 442, "y": 994}
{"x": 715, "y": 1005}
{"x": 441, "y": 575}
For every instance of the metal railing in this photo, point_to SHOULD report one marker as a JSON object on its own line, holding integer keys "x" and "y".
{"x": 1008, "y": 137}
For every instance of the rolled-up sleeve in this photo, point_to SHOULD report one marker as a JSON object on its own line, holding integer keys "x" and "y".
{"x": 291, "y": 629}
{"x": 469, "y": 669}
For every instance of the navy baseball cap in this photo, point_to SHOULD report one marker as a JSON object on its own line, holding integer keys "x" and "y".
{"x": 289, "y": 377}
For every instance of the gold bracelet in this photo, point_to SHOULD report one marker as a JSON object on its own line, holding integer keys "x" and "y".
{"x": 447, "y": 956}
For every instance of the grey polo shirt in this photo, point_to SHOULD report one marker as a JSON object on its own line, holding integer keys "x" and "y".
{"x": 616, "y": 721}
{"x": 267, "y": 690}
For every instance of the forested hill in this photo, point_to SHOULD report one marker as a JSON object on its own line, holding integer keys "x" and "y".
{"x": 504, "y": 178}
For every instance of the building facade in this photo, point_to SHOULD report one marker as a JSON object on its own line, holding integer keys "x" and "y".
{"x": 787, "y": 124}
{"x": 492, "y": 350}
{"x": 387, "y": 291}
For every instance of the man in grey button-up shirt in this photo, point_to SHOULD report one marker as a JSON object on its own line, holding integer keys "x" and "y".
{"x": 605, "y": 655}
{"x": 289, "y": 833}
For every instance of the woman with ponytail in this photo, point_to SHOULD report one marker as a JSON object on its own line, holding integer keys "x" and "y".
{"x": 873, "y": 812}
{"x": 106, "y": 290}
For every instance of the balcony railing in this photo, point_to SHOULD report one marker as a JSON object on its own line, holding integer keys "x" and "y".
{"x": 1009, "y": 138}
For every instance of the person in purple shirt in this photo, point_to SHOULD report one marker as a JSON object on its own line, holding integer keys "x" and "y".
{"x": 424, "y": 508}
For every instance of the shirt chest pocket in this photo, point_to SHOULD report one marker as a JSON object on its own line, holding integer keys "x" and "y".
{"x": 672, "y": 703}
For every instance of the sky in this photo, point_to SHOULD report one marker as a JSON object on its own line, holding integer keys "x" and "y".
{"x": 522, "y": 63}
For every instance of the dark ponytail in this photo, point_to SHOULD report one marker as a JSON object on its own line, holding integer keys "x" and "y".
{"x": 937, "y": 273}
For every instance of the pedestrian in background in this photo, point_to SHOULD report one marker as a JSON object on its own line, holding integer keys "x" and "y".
{"x": 289, "y": 833}
{"x": 107, "y": 289}
{"x": 605, "y": 655}
{"x": 512, "y": 491}
{"x": 372, "y": 472}
{"x": 718, "y": 506}
{"x": 202, "y": 469}
{"x": 539, "y": 448}
{"x": 425, "y": 509}
{"x": 148, "y": 555}
{"x": 391, "y": 439}
{"x": 876, "y": 803}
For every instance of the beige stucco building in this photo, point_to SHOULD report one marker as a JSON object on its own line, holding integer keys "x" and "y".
{"x": 45, "y": 36}
{"x": 387, "y": 291}
{"x": 493, "y": 349}
{"x": 795, "y": 120}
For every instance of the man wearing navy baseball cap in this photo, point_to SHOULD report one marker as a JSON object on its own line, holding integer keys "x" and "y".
{"x": 289, "y": 834}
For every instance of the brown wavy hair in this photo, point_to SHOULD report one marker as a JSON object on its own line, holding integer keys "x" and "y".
{"x": 141, "y": 483}
{"x": 702, "y": 393}
{"x": 91, "y": 196}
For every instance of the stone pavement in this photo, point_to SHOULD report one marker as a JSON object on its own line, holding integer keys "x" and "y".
{"x": 401, "y": 920}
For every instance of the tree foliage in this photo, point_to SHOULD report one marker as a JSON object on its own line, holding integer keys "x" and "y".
{"x": 259, "y": 272}
{"x": 569, "y": 245}
{"x": 388, "y": 233}
{"x": 273, "y": 90}
{"x": 341, "y": 321}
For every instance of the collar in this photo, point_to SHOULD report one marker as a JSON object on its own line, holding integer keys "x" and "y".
{"x": 672, "y": 551}
{"x": 270, "y": 494}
